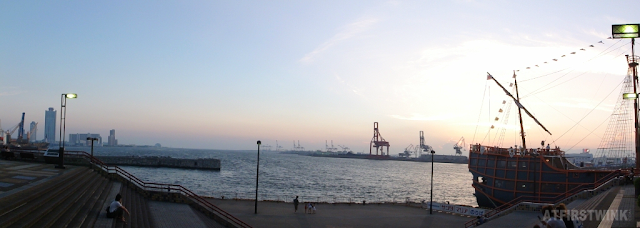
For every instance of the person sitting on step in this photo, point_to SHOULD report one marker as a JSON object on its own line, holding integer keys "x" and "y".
{"x": 115, "y": 210}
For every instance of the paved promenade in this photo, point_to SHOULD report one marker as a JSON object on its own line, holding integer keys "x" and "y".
{"x": 617, "y": 205}
{"x": 274, "y": 214}
{"x": 15, "y": 176}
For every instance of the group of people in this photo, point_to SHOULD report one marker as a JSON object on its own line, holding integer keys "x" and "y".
{"x": 309, "y": 208}
{"x": 557, "y": 217}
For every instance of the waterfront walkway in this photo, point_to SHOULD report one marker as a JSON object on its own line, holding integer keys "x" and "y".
{"x": 279, "y": 214}
{"x": 38, "y": 195}
{"x": 619, "y": 200}
{"x": 19, "y": 179}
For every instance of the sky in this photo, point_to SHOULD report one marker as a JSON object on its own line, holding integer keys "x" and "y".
{"x": 224, "y": 74}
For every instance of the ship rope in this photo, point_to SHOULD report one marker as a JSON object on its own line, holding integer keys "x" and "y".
{"x": 619, "y": 147}
{"x": 480, "y": 113}
{"x": 617, "y": 46}
{"x": 548, "y": 87}
{"x": 593, "y": 109}
{"x": 602, "y": 53}
{"x": 616, "y": 146}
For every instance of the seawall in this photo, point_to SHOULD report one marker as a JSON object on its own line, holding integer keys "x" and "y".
{"x": 158, "y": 161}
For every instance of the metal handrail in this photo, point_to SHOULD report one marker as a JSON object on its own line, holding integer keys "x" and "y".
{"x": 170, "y": 187}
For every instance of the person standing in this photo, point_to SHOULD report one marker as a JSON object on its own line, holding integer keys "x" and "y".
{"x": 295, "y": 204}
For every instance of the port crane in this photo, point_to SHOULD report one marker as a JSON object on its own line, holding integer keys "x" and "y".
{"x": 21, "y": 131}
{"x": 278, "y": 147}
{"x": 298, "y": 148}
{"x": 424, "y": 147}
{"x": 377, "y": 141}
{"x": 12, "y": 130}
{"x": 460, "y": 146}
{"x": 408, "y": 151}
{"x": 330, "y": 149}
{"x": 345, "y": 149}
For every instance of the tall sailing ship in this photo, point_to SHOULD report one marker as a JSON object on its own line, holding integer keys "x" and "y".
{"x": 543, "y": 174}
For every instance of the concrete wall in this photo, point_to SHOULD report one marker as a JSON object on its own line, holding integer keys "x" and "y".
{"x": 200, "y": 163}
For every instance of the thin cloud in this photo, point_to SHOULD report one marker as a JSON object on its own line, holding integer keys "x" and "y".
{"x": 420, "y": 117}
{"x": 348, "y": 32}
{"x": 352, "y": 88}
{"x": 10, "y": 93}
{"x": 582, "y": 104}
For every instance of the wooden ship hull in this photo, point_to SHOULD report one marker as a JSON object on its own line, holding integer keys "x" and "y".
{"x": 504, "y": 176}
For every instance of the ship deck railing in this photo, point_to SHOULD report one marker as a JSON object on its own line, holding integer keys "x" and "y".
{"x": 605, "y": 182}
{"x": 477, "y": 148}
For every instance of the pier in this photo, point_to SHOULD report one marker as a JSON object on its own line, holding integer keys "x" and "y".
{"x": 148, "y": 161}
{"x": 161, "y": 161}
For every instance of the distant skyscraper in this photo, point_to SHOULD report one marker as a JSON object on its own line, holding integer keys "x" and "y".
{"x": 33, "y": 131}
{"x": 50, "y": 126}
{"x": 112, "y": 141}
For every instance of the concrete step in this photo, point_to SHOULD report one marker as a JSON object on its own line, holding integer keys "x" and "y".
{"x": 137, "y": 206}
{"x": 17, "y": 199}
{"x": 92, "y": 189}
{"x": 594, "y": 201}
{"x": 84, "y": 211}
{"x": 42, "y": 203}
{"x": 102, "y": 221}
{"x": 95, "y": 209}
{"x": 64, "y": 211}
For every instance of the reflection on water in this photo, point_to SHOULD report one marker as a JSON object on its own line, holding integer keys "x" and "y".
{"x": 282, "y": 176}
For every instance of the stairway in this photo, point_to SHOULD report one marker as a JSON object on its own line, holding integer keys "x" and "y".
{"x": 73, "y": 199}
{"x": 137, "y": 206}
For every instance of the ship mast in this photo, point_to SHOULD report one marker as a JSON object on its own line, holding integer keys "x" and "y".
{"x": 524, "y": 143}
{"x": 520, "y": 107}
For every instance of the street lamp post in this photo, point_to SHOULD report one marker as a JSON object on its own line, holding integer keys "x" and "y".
{"x": 92, "y": 139}
{"x": 257, "y": 175}
{"x": 63, "y": 117}
{"x": 431, "y": 200}
{"x": 632, "y": 31}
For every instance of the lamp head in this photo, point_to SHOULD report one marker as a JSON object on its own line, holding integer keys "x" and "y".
{"x": 259, "y": 142}
{"x": 433, "y": 151}
{"x": 629, "y": 96}
{"x": 625, "y": 31}
{"x": 71, "y": 95}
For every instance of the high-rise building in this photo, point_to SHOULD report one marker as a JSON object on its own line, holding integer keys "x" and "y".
{"x": 112, "y": 141}
{"x": 33, "y": 131}
{"x": 50, "y": 126}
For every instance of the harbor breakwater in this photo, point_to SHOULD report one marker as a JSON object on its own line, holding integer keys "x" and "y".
{"x": 162, "y": 161}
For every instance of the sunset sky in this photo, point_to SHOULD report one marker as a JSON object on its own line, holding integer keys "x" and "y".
{"x": 224, "y": 74}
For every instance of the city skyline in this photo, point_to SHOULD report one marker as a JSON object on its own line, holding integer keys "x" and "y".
{"x": 222, "y": 75}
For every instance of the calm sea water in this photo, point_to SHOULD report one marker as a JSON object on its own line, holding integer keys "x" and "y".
{"x": 283, "y": 176}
